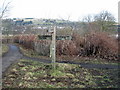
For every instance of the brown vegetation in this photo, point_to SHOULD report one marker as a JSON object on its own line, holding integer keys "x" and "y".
{"x": 99, "y": 45}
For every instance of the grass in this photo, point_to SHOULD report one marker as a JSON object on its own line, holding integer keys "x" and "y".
{"x": 99, "y": 61}
{"x": 31, "y": 53}
{"x": 5, "y": 49}
{"x": 33, "y": 74}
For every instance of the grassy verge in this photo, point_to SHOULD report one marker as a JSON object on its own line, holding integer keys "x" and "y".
{"x": 5, "y": 49}
{"x": 33, "y": 74}
{"x": 31, "y": 53}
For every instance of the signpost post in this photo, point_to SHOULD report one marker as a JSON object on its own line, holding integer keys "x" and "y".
{"x": 53, "y": 47}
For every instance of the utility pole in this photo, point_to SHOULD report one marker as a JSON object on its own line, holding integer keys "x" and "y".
{"x": 53, "y": 47}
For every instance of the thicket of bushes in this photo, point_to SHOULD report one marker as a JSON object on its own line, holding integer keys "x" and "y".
{"x": 66, "y": 47}
{"x": 26, "y": 40}
{"x": 42, "y": 47}
{"x": 99, "y": 45}
{"x": 93, "y": 44}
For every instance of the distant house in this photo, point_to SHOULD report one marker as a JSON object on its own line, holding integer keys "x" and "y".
{"x": 19, "y": 22}
{"x": 27, "y": 22}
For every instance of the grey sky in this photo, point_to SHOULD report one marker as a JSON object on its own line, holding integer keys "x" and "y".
{"x": 61, "y": 9}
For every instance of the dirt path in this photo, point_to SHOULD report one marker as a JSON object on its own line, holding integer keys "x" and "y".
{"x": 14, "y": 54}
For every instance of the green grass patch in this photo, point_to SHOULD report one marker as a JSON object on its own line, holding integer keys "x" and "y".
{"x": 5, "y": 48}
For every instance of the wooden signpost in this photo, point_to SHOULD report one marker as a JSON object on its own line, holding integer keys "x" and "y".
{"x": 53, "y": 47}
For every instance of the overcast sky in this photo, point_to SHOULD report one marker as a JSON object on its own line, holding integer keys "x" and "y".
{"x": 61, "y": 9}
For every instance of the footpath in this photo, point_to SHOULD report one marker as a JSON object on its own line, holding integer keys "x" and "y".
{"x": 14, "y": 54}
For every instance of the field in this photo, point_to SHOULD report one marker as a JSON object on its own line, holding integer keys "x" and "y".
{"x": 33, "y": 74}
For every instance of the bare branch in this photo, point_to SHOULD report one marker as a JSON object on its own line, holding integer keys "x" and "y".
{"x": 4, "y": 9}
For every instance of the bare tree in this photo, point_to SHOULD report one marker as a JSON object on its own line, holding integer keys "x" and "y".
{"x": 4, "y": 8}
{"x": 104, "y": 19}
{"x": 88, "y": 20}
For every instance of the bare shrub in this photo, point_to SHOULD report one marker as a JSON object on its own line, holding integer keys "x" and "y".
{"x": 98, "y": 44}
{"x": 42, "y": 47}
{"x": 66, "y": 47}
{"x": 79, "y": 42}
{"x": 16, "y": 39}
{"x": 102, "y": 45}
{"x": 26, "y": 40}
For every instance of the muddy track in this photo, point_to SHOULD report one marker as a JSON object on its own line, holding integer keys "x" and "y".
{"x": 14, "y": 54}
